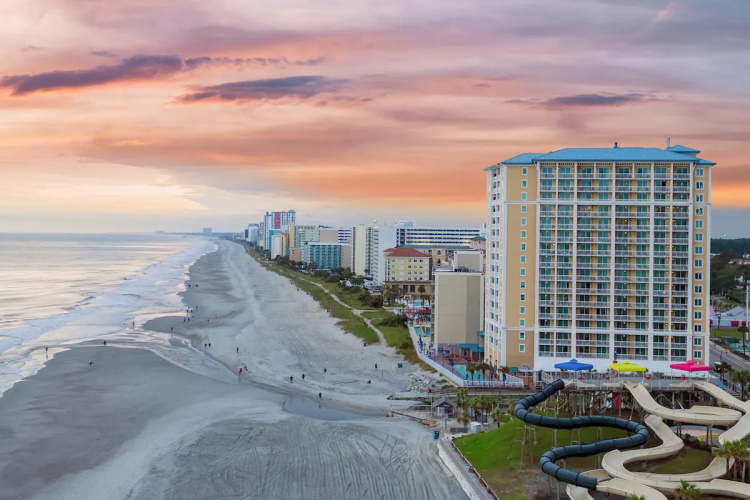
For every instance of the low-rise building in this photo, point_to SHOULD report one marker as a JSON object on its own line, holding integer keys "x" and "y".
{"x": 295, "y": 254}
{"x": 408, "y": 269}
{"x": 327, "y": 256}
{"x": 458, "y": 308}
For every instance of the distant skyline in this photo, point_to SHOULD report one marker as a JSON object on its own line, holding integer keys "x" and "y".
{"x": 145, "y": 115}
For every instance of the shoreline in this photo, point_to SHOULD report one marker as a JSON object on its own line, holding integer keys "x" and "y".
{"x": 166, "y": 420}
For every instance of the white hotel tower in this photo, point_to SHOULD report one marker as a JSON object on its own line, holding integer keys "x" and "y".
{"x": 596, "y": 253}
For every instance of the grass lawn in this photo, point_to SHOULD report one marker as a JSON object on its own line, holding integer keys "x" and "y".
{"x": 496, "y": 455}
{"x": 687, "y": 460}
{"x": 727, "y": 332}
{"x": 395, "y": 336}
{"x": 349, "y": 296}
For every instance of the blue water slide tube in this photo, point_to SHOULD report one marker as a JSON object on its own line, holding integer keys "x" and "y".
{"x": 547, "y": 462}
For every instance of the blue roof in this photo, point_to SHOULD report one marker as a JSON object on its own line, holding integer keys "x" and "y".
{"x": 682, "y": 149}
{"x": 607, "y": 154}
{"x": 522, "y": 159}
{"x": 480, "y": 333}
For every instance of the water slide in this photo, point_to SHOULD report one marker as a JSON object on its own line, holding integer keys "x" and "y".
{"x": 699, "y": 415}
{"x": 547, "y": 462}
{"x": 742, "y": 428}
{"x": 614, "y": 477}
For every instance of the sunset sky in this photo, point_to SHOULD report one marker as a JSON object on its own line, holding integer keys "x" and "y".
{"x": 140, "y": 115}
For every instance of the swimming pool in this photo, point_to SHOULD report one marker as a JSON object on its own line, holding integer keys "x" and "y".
{"x": 423, "y": 331}
{"x": 461, "y": 371}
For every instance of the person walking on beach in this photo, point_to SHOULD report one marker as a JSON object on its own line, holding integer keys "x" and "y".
{"x": 376, "y": 366}
{"x": 91, "y": 363}
{"x": 240, "y": 371}
{"x": 46, "y": 349}
{"x": 320, "y": 395}
{"x": 303, "y": 376}
{"x": 291, "y": 378}
{"x": 209, "y": 344}
{"x": 325, "y": 370}
{"x": 238, "y": 350}
{"x": 105, "y": 343}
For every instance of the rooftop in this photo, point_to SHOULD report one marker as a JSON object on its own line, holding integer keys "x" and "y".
{"x": 479, "y": 238}
{"x": 405, "y": 252}
{"x": 673, "y": 154}
{"x": 447, "y": 247}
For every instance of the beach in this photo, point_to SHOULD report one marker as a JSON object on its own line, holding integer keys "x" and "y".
{"x": 177, "y": 420}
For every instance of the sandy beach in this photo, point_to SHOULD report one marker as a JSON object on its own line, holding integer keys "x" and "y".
{"x": 140, "y": 423}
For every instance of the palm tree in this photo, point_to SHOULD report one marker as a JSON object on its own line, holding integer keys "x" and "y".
{"x": 497, "y": 414}
{"x": 461, "y": 396}
{"x": 741, "y": 377}
{"x": 734, "y": 450}
{"x": 686, "y": 491}
{"x": 723, "y": 368}
{"x": 470, "y": 369}
{"x": 504, "y": 370}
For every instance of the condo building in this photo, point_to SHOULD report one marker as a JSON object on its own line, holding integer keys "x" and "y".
{"x": 407, "y": 235}
{"x": 274, "y": 222}
{"x": 597, "y": 254}
{"x": 327, "y": 256}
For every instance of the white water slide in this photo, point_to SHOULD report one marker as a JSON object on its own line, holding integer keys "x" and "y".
{"x": 616, "y": 479}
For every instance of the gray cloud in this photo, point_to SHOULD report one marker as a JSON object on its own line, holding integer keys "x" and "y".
{"x": 103, "y": 53}
{"x": 297, "y": 87}
{"x": 140, "y": 67}
{"x": 604, "y": 99}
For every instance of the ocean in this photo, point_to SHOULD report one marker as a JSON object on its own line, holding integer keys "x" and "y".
{"x": 58, "y": 289}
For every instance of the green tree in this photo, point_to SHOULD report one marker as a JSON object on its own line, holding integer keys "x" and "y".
{"x": 734, "y": 450}
{"x": 471, "y": 368}
{"x": 741, "y": 377}
{"x": 636, "y": 497}
{"x": 686, "y": 491}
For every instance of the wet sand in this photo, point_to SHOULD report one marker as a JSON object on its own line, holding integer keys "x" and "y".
{"x": 134, "y": 425}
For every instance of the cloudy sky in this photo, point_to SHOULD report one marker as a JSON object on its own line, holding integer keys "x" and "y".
{"x": 176, "y": 114}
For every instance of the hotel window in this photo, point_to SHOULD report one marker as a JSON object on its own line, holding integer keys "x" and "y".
{"x": 699, "y": 224}
{"x": 699, "y": 211}
{"x": 522, "y": 310}
{"x": 698, "y": 250}
{"x": 521, "y": 322}
{"x": 698, "y": 262}
{"x": 699, "y": 185}
{"x": 697, "y": 354}
{"x": 521, "y": 335}
{"x": 523, "y": 247}
{"x": 699, "y": 172}
{"x": 523, "y": 234}
{"x": 523, "y": 297}
{"x": 523, "y": 285}
{"x": 523, "y": 221}
{"x": 523, "y": 259}
{"x": 698, "y": 302}
{"x": 699, "y": 198}
{"x": 524, "y": 171}
{"x": 523, "y": 271}
{"x": 524, "y": 184}
{"x": 524, "y": 196}
{"x": 698, "y": 288}
{"x": 697, "y": 315}
{"x": 698, "y": 236}
{"x": 523, "y": 209}
{"x": 521, "y": 348}
{"x": 697, "y": 328}
{"x": 698, "y": 276}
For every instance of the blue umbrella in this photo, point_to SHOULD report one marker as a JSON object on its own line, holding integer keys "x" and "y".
{"x": 574, "y": 366}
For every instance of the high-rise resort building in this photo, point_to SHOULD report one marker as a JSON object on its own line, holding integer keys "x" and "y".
{"x": 275, "y": 222}
{"x": 597, "y": 254}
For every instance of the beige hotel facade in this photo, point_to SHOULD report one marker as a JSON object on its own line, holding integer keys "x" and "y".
{"x": 594, "y": 253}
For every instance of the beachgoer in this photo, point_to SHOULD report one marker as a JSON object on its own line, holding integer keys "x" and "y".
{"x": 240, "y": 371}
{"x": 320, "y": 395}
{"x": 369, "y": 381}
{"x": 303, "y": 376}
{"x": 105, "y": 343}
{"x": 46, "y": 349}
{"x": 91, "y": 363}
{"x": 184, "y": 320}
{"x": 209, "y": 344}
{"x": 291, "y": 379}
{"x": 238, "y": 350}
{"x": 205, "y": 346}
{"x": 376, "y": 366}
{"x": 325, "y": 370}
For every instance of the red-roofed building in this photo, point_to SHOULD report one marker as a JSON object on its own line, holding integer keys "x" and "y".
{"x": 409, "y": 270}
